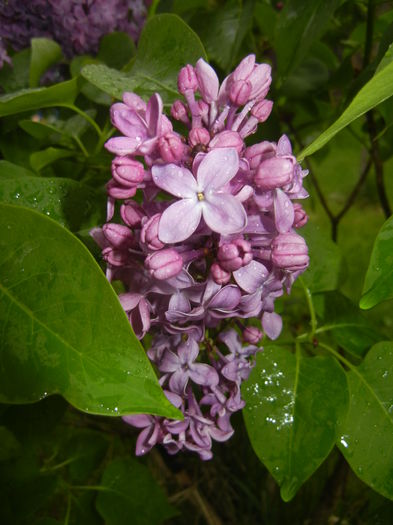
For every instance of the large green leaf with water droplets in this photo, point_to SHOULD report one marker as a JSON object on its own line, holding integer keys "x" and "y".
{"x": 366, "y": 435}
{"x": 62, "y": 327}
{"x": 293, "y": 404}
{"x": 378, "y": 285}
{"x": 166, "y": 45}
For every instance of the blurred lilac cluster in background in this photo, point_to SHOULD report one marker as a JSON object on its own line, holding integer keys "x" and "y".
{"x": 206, "y": 247}
{"x": 77, "y": 25}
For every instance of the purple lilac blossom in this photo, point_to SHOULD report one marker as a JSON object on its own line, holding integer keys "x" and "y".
{"x": 77, "y": 25}
{"x": 216, "y": 252}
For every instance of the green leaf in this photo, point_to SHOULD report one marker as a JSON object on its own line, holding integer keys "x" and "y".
{"x": 223, "y": 31}
{"x": 348, "y": 325}
{"x": 366, "y": 435}
{"x": 166, "y": 44}
{"x": 129, "y": 494}
{"x": 44, "y": 53}
{"x": 9, "y": 446}
{"x": 116, "y": 49}
{"x": 378, "y": 89}
{"x": 68, "y": 202}
{"x": 63, "y": 329}
{"x": 323, "y": 274}
{"x": 40, "y": 159}
{"x": 293, "y": 404}
{"x": 378, "y": 284}
{"x": 62, "y": 94}
{"x": 299, "y": 25}
{"x": 15, "y": 77}
{"x": 11, "y": 170}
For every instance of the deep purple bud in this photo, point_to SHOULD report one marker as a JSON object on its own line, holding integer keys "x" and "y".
{"x": 239, "y": 92}
{"x": 274, "y": 173}
{"x": 290, "y": 252}
{"x": 118, "y": 191}
{"x": 199, "y": 136}
{"x": 262, "y": 110}
{"x": 179, "y": 111}
{"x": 301, "y": 216}
{"x": 227, "y": 139}
{"x": 232, "y": 256}
{"x": 149, "y": 233}
{"x": 117, "y": 235}
{"x": 187, "y": 79}
{"x": 252, "y": 335}
{"x": 127, "y": 172}
{"x": 171, "y": 147}
{"x": 164, "y": 264}
{"x": 131, "y": 213}
{"x": 259, "y": 152}
{"x": 220, "y": 275}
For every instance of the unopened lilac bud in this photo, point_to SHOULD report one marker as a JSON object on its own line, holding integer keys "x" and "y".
{"x": 290, "y": 252}
{"x": 233, "y": 255}
{"x": 198, "y": 136}
{"x": 131, "y": 213}
{"x": 259, "y": 152}
{"x": 164, "y": 264}
{"x": 179, "y": 111}
{"x": 207, "y": 80}
{"x": 239, "y": 92}
{"x": 227, "y": 139}
{"x": 274, "y": 173}
{"x": 252, "y": 335}
{"x": 118, "y": 191}
{"x": 149, "y": 233}
{"x": 203, "y": 108}
{"x": 301, "y": 216}
{"x": 115, "y": 257}
{"x": 171, "y": 147}
{"x": 117, "y": 235}
{"x": 127, "y": 172}
{"x": 187, "y": 79}
{"x": 262, "y": 110}
{"x": 219, "y": 275}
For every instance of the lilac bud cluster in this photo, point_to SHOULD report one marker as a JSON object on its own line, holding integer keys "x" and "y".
{"x": 77, "y": 25}
{"x": 211, "y": 243}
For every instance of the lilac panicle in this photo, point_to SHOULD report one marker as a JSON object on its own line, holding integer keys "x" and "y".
{"x": 211, "y": 244}
{"x": 77, "y": 25}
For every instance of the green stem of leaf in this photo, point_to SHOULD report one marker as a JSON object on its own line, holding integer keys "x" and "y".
{"x": 313, "y": 320}
{"x": 91, "y": 121}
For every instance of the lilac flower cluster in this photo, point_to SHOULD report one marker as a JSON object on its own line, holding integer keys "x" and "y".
{"x": 211, "y": 242}
{"x": 77, "y": 25}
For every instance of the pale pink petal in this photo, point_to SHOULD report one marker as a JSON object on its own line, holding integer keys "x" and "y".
{"x": 271, "y": 324}
{"x": 153, "y": 114}
{"x": 283, "y": 211}
{"x": 203, "y": 374}
{"x": 223, "y": 213}
{"x": 179, "y": 221}
{"x": 284, "y": 146}
{"x": 207, "y": 80}
{"x": 251, "y": 277}
{"x": 217, "y": 168}
{"x": 175, "y": 180}
{"x": 139, "y": 420}
{"x": 122, "y": 145}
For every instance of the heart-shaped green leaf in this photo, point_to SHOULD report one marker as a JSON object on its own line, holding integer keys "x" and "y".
{"x": 366, "y": 435}
{"x": 166, "y": 45}
{"x": 378, "y": 285}
{"x": 44, "y": 53}
{"x": 62, "y": 327}
{"x": 293, "y": 404}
